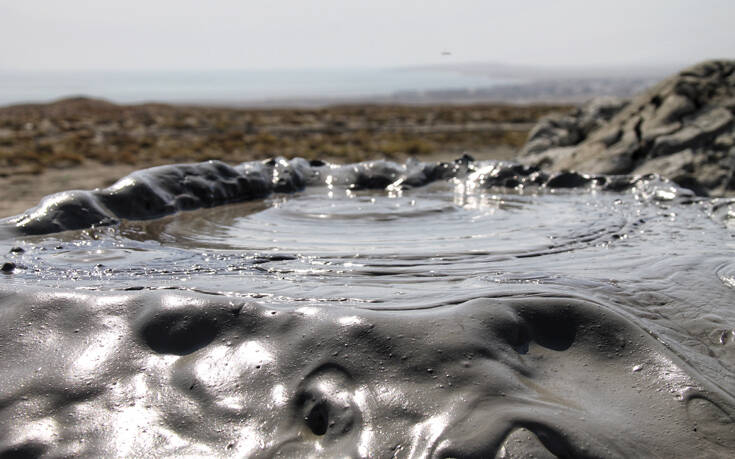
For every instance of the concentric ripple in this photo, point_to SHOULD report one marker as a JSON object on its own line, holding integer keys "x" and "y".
{"x": 412, "y": 225}
{"x": 448, "y": 320}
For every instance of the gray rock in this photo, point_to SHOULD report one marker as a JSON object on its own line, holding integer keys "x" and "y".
{"x": 683, "y": 128}
{"x": 724, "y": 141}
{"x": 564, "y": 130}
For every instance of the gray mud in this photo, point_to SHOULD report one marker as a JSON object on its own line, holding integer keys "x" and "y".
{"x": 682, "y": 128}
{"x": 373, "y": 310}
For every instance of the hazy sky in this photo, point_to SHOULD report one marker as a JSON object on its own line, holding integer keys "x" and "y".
{"x": 187, "y": 34}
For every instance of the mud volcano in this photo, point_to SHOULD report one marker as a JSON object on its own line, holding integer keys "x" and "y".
{"x": 296, "y": 309}
{"x": 682, "y": 128}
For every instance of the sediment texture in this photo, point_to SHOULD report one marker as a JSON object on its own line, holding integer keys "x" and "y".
{"x": 683, "y": 128}
{"x": 169, "y": 373}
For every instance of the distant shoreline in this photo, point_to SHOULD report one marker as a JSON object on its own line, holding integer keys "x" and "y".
{"x": 545, "y": 91}
{"x": 317, "y": 88}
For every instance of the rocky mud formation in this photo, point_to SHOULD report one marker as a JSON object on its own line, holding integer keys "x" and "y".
{"x": 682, "y": 128}
{"x": 164, "y": 190}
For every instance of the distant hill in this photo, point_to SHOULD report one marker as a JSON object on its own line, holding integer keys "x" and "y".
{"x": 540, "y": 72}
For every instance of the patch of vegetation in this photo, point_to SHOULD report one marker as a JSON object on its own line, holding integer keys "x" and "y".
{"x": 69, "y": 132}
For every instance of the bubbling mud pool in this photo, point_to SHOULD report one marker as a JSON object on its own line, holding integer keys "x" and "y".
{"x": 458, "y": 318}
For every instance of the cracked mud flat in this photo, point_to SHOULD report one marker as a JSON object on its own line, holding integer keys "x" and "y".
{"x": 467, "y": 309}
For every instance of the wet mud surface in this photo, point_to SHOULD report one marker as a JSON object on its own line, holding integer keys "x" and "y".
{"x": 467, "y": 309}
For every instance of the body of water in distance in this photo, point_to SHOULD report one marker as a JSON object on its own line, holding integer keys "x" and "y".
{"x": 231, "y": 86}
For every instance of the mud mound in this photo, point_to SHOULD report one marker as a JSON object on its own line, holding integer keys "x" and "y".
{"x": 164, "y": 190}
{"x": 682, "y": 128}
{"x": 467, "y": 309}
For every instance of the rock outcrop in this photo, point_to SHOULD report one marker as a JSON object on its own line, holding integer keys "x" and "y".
{"x": 682, "y": 128}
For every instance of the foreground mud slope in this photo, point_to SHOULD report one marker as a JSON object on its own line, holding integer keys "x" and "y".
{"x": 176, "y": 373}
{"x": 682, "y": 128}
{"x": 302, "y": 309}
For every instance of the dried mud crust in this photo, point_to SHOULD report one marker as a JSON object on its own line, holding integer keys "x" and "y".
{"x": 683, "y": 128}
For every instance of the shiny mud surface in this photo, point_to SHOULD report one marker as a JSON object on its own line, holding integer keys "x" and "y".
{"x": 449, "y": 320}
